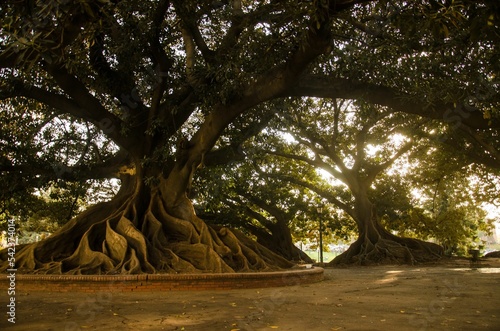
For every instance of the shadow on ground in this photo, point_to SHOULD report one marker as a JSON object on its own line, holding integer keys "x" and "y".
{"x": 452, "y": 296}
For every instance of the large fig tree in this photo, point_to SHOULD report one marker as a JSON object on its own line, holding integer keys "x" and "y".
{"x": 163, "y": 80}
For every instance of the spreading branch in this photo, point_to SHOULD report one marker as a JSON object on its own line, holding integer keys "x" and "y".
{"x": 110, "y": 168}
{"x": 322, "y": 86}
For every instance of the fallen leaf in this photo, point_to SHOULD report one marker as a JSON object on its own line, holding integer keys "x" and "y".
{"x": 274, "y": 327}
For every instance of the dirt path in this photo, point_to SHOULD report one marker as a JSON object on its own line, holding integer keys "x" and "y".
{"x": 446, "y": 297}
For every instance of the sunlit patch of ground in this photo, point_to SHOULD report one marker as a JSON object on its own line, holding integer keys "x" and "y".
{"x": 453, "y": 296}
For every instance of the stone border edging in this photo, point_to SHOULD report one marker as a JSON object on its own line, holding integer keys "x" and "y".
{"x": 163, "y": 282}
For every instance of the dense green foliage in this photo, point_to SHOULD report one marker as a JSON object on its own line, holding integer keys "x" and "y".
{"x": 263, "y": 98}
{"x": 304, "y": 158}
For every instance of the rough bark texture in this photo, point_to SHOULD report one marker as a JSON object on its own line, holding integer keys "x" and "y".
{"x": 375, "y": 245}
{"x": 386, "y": 248}
{"x": 280, "y": 241}
{"x": 134, "y": 233}
{"x": 493, "y": 254}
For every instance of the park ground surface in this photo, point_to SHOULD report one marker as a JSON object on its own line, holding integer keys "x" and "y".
{"x": 451, "y": 295}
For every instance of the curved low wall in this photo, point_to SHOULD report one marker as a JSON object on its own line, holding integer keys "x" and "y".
{"x": 162, "y": 282}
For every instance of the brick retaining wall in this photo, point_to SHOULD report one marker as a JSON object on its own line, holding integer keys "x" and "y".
{"x": 162, "y": 282}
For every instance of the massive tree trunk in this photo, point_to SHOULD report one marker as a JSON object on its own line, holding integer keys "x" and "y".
{"x": 376, "y": 245}
{"x": 144, "y": 229}
{"x": 153, "y": 228}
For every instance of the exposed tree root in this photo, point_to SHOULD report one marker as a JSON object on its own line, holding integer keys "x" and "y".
{"x": 493, "y": 254}
{"x": 389, "y": 249}
{"x": 290, "y": 252}
{"x": 279, "y": 240}
{"x": 128, "y": 236}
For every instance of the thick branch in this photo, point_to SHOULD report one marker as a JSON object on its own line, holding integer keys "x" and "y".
{"x": 324, "y": 87}
{"x": 329, "y": 149}
{"x": 273, "y": 210}
{"x": 322, "y": 192}
{"x": 190, "y": 56}
{"x": 116, "y": 82}
{"x": 159, "y": 57}
{"x": 234, "y": 152}
{"x": 110, "y": 168}
{"x": 257, "y": 216}
{"x": 374, "y": 170}
{"x": 273, "y": 84}
{"x": 359, "y": 155}
{"x": 107, "y": 122}
{"x": 317, "y": 163}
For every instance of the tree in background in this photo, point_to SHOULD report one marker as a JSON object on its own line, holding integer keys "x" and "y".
{"x": 445, "y": 195}
{"x": 162, "y": 81}
{"x": 247, "y": 195}
{"x": 354, "y": 143}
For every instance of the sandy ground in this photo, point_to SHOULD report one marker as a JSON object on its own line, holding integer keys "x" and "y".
{"x": 450, "y": 296}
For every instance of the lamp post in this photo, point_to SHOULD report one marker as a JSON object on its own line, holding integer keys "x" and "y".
{"x": 320, "y": 236}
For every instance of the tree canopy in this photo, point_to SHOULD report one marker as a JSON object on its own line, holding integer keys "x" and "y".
{"x": 148, "y": 92}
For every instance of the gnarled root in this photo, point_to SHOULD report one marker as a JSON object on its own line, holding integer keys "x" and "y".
{"x": 117, "y": 238}
{"x": 389, "y": 250}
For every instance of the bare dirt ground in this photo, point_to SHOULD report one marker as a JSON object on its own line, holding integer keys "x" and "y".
{"x": 452, "y": 295}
